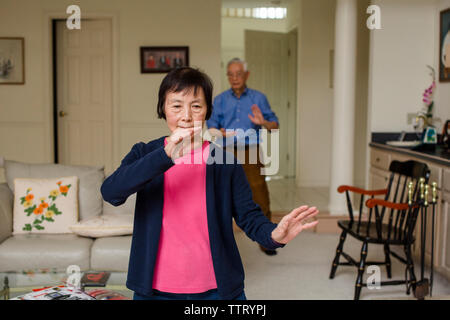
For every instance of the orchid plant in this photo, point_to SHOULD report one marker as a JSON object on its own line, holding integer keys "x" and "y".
{"x": 427, "y": 113}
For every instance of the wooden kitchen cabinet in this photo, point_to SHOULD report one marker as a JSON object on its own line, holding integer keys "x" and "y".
{"x": 445, "y": 223}
{"x": 380, "y": 158}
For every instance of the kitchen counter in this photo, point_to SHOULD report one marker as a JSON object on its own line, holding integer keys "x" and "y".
{"x": 438, "y": 162}
{"x": 439, "y": 155}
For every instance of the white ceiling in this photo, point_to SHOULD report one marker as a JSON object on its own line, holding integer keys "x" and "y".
{"x": 254, "y": 3}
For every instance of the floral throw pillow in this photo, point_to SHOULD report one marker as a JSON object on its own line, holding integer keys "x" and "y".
{"x": 45, "y": 205}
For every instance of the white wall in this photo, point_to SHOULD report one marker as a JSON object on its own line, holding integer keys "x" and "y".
{"x": 26, "y": 132}
{"x": 400, "y": 52}
{"x": 315, "y": 21}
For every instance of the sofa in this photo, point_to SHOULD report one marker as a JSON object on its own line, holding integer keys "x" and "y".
{"x": 43, "y": 259}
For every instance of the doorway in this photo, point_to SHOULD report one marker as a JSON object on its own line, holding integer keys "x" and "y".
{"x": 82, "y": 93}
{"x": 272, "y": 61}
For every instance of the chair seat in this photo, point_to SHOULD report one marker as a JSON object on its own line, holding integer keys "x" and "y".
{"x": 368, "y": 232}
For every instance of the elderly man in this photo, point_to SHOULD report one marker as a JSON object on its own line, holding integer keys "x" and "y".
{"x": 244, "y": 108}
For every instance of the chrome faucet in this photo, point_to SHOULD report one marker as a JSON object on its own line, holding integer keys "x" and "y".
{"x": 425, "y": 121}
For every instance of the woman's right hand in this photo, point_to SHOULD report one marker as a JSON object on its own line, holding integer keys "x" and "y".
{"x": 178, "y": 140}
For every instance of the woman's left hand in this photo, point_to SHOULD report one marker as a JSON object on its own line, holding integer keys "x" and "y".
{"x": 294, "y": 223}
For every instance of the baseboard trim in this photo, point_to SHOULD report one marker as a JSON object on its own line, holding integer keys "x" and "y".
{"x": 328, "y": 223}
{"x": 278, "y": 215}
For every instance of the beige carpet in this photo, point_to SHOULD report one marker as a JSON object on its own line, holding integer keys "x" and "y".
{"x": 300, "y": 271}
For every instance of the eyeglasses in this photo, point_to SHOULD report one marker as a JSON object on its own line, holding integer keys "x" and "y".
{"x": 236, "y": 75}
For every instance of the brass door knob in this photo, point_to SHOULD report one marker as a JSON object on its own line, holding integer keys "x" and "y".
{"x": 62, "y": 114}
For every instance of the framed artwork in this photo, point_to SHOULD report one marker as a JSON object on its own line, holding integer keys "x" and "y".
{"x": 163, "y": 59}
{"x": 444, "y": 52}
{"x": 12, "y": 60}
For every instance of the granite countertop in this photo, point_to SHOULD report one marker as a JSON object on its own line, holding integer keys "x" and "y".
{"x": 439, "y": 155}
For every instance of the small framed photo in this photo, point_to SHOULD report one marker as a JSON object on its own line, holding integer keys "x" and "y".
{"x": 12, "y": 60}
{"x": 163, "y": 59}
{"x": 444, "y": 52}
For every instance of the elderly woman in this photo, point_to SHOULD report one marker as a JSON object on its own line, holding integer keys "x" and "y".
{"x": 183, "y": 245}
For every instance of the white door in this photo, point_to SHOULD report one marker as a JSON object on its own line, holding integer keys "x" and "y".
{"x": 271, "y": 58}
{"x": 84, "y": 93}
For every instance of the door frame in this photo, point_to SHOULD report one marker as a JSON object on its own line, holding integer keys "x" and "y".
{"x": 294, "y": 33}
{"x": 298, "y": 116}
{"x": 49, "y": 80}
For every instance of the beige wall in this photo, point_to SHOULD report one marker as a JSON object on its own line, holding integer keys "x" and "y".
{"x": 400, "y": 52}
{"x": 314, "y": 20}
{"x": 293, "y": 14}
{"x": 26, "y": 132}
{"x": 315, "y": 97}
{"x": 361, "y": 99}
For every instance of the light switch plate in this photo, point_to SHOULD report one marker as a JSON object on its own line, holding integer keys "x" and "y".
{"x": 410, "y": 117}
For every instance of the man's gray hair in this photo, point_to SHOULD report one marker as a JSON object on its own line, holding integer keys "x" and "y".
{"x": 238, "y": 60}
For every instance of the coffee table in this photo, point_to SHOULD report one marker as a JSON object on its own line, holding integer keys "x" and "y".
{"x": 116, "y": 288}
{"x": 13, "y": 288}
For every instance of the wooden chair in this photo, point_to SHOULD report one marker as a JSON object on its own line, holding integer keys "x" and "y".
{"x": 393, "y": 228}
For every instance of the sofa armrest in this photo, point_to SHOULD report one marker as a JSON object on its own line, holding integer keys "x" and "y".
{"x": 6, "y": 211}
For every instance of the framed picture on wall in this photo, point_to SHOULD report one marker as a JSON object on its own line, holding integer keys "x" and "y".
{"x": 163, "y": 59}
{"x": 12, "y": 61}
{"x": 444, "y": 52}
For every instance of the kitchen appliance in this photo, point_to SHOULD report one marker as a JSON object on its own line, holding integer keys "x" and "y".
{"x": 428, "y": 140}
{"x": 429, "y": 135}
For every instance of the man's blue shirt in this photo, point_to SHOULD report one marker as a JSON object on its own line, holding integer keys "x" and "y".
{"x": 231, "y": 113}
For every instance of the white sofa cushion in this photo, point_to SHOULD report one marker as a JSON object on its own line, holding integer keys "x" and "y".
{"x": 106, "y": 225}
{"x": 111, "y": 253}
{"x": 90, "y": 180}
{"x": 50, "y": 251}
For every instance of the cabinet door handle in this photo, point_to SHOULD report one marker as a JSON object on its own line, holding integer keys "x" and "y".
{"x": 377, "y": 159}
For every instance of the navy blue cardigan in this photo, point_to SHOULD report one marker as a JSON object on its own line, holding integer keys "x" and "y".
{"x": 228, "y": 195}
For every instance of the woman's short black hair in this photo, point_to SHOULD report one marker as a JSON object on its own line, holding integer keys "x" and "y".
{"x": 181, "y": 79}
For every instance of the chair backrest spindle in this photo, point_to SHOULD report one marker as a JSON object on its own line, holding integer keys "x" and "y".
{"x": 349, "y": 205}
{"x": 406, "y": 219}
{"x": 388, "y": 194}
{"x": 361, "y": 205}
{"x": 370, "y": 218}
{"x": 400, "y": 222}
